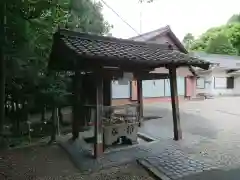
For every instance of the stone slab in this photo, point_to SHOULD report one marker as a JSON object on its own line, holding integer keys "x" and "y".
{"x": 217, "y": 174}
{"x": 85, "y": 162}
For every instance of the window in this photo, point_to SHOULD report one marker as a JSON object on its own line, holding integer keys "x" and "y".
{"x": 220, "y": 82}
{"x": 200, "y": 83}
{"x": 224, "y": 82}
{"x": 230, "y": 82}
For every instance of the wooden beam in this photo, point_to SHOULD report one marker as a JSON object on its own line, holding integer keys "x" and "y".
{"x": 150, "y": 76}
{"x": 140, "y": 101}
{"x": 98, "y": 129}
{"x": 175, "y": 104}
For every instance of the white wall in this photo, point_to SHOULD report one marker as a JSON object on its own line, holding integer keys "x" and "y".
{"x": 181, "y": 71}
{"x": 236, "y": 89}
{"x": 209, "y": 88}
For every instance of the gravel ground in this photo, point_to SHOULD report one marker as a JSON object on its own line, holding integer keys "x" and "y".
{"x": 125, "y": 172}
{"x": 130, "y": 171}
{"x": 52, "y": 163}
{"x": 37, "y": 161}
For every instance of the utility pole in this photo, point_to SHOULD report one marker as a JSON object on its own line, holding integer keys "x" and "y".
{"x": 140, "y": 18}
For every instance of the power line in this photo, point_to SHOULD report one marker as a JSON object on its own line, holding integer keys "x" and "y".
{"x": 119, "y": 16}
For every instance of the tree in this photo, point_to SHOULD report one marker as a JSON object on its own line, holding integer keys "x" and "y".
{"x": 231, "y": 32}
{"x": 2, "y": 64}
{"x": 30, "y": 25}
{"x": 188, "y": 40}
{"x": 234, "y": 19}
{"x": 86, "y": 16}
{"x": 201, "y": 43}
{"x": 14, "y": 17}
{"x": 220, "y": 45}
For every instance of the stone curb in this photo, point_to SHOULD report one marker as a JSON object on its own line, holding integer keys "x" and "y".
{"x": 145, "y": 137}
{"x": 152, "y": 170}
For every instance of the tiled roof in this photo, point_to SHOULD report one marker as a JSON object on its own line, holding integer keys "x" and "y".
{"x": 151, "y": 34}
{"x": 163, "y": 31}
{"x": 118, "y": 51}
{"x": 224, "y": 61}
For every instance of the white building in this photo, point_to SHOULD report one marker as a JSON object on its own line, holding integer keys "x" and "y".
{"x": 222, "y": 79}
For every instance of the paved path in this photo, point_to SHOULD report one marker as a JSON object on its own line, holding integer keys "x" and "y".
{"x": 214, "y": 119}
{"x": 231, "y": 174}
{"x": 210, "y": 131}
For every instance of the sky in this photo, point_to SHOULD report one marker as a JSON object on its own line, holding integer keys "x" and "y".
{"x": 183, "y": 16}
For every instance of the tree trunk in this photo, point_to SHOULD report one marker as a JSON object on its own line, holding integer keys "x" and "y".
{"x": 2, "y": 63}
{"x": 5, "y": 109}
{"x": 43, "y": 113}
{"x": 18, "y": 116}
{"x": 54, "y": 125}
{"x": 60, "y": 115}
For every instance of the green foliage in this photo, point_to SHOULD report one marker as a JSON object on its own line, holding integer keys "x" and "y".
{"x": 220, "y": 45}
{"x": 29, "y": 26}
{"x": 201, "y": 43}
{"x": 86, "y": 17}
{"x": 233, "y": 33}
{"x": 223, "y": 40}
{"x": 234, "y": 19}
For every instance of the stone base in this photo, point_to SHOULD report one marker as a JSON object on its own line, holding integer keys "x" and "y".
{"x": 113, "y": 132}
{"x": 78, "y": 151}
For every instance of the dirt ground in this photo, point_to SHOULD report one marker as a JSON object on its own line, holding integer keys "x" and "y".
{"x": 51, "y": 162}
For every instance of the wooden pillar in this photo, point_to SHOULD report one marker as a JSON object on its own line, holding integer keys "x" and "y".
{"x": 140, "y": 101}
{"x": 175, "y": 104}
{"x": 107, "y": 96}
{"x": 90, "y": 98}
{"x": 76, "y": 105}
{"x": 107, "y": 92}
{"x": 54, "y": 125}
{"x": 98, "y": 129}
{"x": 133, "y": 89}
